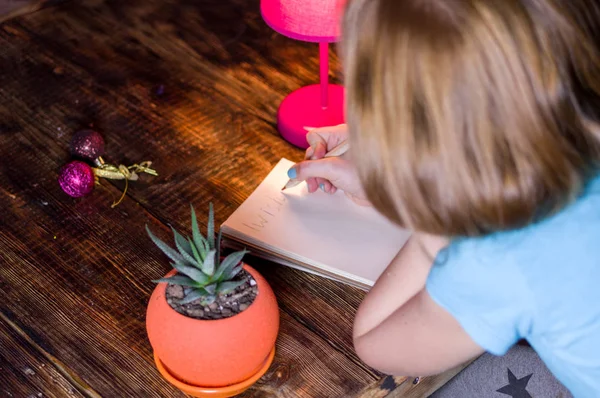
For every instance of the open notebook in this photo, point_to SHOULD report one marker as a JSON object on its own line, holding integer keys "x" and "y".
{"x": 325, "y": 234}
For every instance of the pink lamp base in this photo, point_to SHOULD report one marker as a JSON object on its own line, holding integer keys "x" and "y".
{"x": 302, "y": 108}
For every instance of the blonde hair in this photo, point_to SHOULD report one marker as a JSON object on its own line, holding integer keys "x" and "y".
{"x": 472, "y": 116}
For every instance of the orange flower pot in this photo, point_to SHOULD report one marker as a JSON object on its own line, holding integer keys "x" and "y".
{"x": 214, "y": 357}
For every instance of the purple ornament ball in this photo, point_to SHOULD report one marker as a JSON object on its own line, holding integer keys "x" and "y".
{"x": 76, "y": 179}
{"x": 87, "y": 144}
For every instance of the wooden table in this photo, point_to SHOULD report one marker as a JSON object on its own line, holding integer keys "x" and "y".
{"x": 192, "y": 85}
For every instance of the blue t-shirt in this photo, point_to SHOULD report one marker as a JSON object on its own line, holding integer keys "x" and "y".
{"x": 540, "y": 283}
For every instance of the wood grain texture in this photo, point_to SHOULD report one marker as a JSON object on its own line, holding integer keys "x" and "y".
{"x": 91, "y": 271}
{"x": 315, "y": 302}
{"x": 310, "y": 369}
{"x": 194, "y": 87}
{"x": 25, "y": 372}
{"x": 13, "y": 8}
{"x": 71, "y": 277}
{"x": 410, "y": 386}
{"x": 425, "y": 386}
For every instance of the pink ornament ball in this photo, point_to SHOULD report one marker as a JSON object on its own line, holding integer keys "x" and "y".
{"x": 76, "y": 179}
{"x": 87, "y": 144}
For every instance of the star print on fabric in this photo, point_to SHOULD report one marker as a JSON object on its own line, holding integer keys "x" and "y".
{"x": 516, "y": 387}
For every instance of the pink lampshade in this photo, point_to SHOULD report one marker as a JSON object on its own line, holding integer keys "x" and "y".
{"x": 307, "y": 20}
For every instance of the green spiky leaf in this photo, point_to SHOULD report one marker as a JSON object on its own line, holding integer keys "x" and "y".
{"x": 171, "y": 253}
{"x": 181, "y": 241}
{"x": 228, "y": 263}
{"x": 192, "y": 272}
{"x": 236, "y": 270}
{"x": 210, "y": 228}
{"x": 193, "y": 295}
{"x": 218, "y": 249}
{"x": 196, "y": 253}
{"x": 199, "y": 240}
{"x": 208, "y": 300}
{"x": 197, "y": 261}
{"x": 185, "y": 248}
{"x": 227, "y": 287}
{"x": 212, "y": 288}
{"x": 220, "y": 272}
{"x": 208, "y": 267}
{"x": 204, "y": 249}
{"x": 178, "y": 280}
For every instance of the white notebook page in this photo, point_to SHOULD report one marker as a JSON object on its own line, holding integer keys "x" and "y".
{"x": 323, "y": 231}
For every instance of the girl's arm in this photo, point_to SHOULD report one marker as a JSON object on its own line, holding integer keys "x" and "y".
{"x": 399, "y": 329}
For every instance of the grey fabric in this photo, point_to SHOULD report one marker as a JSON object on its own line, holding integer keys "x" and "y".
{"x": 518, "y": 374}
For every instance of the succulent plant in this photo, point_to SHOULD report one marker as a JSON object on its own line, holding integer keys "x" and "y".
{"x": 198, "y": 263}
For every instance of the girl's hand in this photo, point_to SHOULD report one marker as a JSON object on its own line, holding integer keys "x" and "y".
{"x": 328, "y": 174}
{"x": 321, "y": 141}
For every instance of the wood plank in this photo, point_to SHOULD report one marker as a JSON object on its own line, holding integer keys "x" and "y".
{"x": 410, "y": 386}
{"x": 26, "y": 372}
{"x": 91, "y": 266}
{"x": 315, "y": 301}
{"x": 206, "y": 145}
{"x": 70, "y": 275}
{"x": 425, "y": 386}
{"x": 310, "y": 369}
{"x": 13, "y": 8}
{"x": 77, "y": 274}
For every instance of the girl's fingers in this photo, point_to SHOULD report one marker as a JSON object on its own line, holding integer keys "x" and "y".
{"x": 321, "y": 140}
{"x": 319, "y": 151}
{"x": 332, "y": 169}
{"x": 312, "y": 185}
{"x": 309, "y": 153}
{"x": 335, "y": 171}
{"x": 311, "y": 182}
{"x": 323, "y": 183}
{"x": 312, "y": 153}
{"x": 325, "y": 186}
{"x": 332, "y": 135}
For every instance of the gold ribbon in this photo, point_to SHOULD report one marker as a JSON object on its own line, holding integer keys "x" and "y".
{"x": 121, "y": 172}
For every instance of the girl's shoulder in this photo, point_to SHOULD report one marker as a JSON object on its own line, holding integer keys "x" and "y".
{"x": 573, "y": 228}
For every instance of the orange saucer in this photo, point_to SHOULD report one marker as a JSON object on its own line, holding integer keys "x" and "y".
{"x": 215, "y": 392}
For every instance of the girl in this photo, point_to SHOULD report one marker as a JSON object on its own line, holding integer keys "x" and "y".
{"x": 475, "y": 123}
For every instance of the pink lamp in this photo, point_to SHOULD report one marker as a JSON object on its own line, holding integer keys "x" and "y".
{"x": 317, "y": 105}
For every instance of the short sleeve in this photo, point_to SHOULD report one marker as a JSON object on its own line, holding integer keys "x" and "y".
{"x": 475, "y": 280}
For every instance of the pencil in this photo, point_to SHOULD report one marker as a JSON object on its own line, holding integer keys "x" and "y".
{"x": 337, "y": 151}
